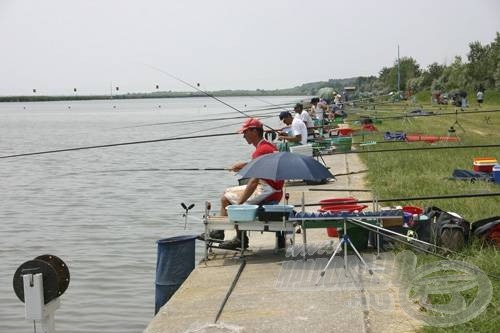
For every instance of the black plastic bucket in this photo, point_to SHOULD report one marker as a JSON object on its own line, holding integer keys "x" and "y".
{"x": 175, "y": 261}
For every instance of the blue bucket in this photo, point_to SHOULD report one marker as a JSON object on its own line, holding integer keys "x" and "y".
{"x": 175, "y": 261}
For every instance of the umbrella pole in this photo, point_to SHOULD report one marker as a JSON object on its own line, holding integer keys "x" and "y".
{"x": 304, "y": 238}
{"x": 292, "y": 240}
{"x": 376, "y": 209}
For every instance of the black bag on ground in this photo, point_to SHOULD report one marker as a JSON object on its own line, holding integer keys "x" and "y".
{"x": 444, "y": 229}
{"x": 469, "y": 175}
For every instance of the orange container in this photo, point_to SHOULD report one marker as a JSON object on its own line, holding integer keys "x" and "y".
{"x": 484, "y": 164}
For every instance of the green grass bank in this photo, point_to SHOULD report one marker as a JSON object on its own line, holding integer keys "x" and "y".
{"x": 425, "y": 173}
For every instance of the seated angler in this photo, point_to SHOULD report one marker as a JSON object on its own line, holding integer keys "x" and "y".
{"x": 306, "y": 118}
{"x": 298, "y": 133}
{"x": 256, "y": 191}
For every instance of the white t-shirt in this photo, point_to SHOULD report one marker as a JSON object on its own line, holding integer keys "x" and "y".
{"x": 306, "y": 118}
{"x": 299, "y": 128}
{"x": 319, "y": 112}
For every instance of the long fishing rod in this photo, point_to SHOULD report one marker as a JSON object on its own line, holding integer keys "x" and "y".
{"x": 339, "y": 190}
{"x": 196, "y": 169}
{"x": 231, "y": 288}
{"x": 216, "y": 127}
{"x": 376, "y": 230}
{"x": 350, "y": 173}
{"x": 143, "y": 170}
{"x": 202, "y": 169}
{"x": 275, "y": 106}
{"x": 368, "y": 143}
{"x": 225, "y": 134}
{"x": 205, "y": 93}
{"x": 418, "y": 148}
{"x": 434, "y": 197}
{"x": 435, "y": 114}
{"x": 371, "y": 227}
{"x": 130, "y": 143}
{"x": 194, "y": 121}
{"x": 168, "y": 169}
{"x": 118, "y": 144}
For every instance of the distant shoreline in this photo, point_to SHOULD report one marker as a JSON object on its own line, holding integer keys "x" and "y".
{"x": 238, "y": 93}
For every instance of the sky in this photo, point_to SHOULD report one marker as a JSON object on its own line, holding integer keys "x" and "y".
{"x": 55, "y": 46}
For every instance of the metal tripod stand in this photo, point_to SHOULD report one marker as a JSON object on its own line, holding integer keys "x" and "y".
{"x": 456, "y": 123}
{"x": 345, "y": 241}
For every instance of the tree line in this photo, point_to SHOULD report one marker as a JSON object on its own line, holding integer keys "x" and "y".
{"x": 480, "y": 71}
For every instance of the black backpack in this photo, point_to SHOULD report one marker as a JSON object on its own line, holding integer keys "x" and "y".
{"x": 444, "y": 229}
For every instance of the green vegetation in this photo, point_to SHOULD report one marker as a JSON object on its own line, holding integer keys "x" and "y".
{"x": 425, "y": 173}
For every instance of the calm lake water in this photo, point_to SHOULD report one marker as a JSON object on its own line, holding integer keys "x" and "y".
{"x": 102, "y": 210}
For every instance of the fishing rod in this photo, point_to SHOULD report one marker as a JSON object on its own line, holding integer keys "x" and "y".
{"x": 225, "y": 134}
{"x": 376, "y": 230}
{"x": 189, "y": 169}
{"x": 275, "y": 106}
{"x": 418, "y": 148}
{"x": 264, "y": 115}
{"x": 370, "y": 227}
{"x": 231, "y": 288}
{"x": 196, "y": 169}
{"x": 117, "y": 144}
{"x": 131, "y": 143}
{"x": 340, "y": 190}
{"x": 451, "y": 196}
{"x": 154, "y": 169}
{"x": 350, "y": 173}
{"x": 435, "y": 114}
{"x": 205, "y": 93}
{"x": 368, "y": 143}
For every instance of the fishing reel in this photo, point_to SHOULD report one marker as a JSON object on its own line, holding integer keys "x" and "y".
{"x": 270, "y": 136}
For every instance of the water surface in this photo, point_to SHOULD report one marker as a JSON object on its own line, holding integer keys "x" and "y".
{"x": 102, "y": 210}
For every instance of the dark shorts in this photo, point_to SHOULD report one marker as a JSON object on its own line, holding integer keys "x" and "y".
{"x": 479, "y": 101}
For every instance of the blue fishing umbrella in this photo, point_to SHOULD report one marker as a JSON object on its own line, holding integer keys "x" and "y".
{"x": 285, "y": 166}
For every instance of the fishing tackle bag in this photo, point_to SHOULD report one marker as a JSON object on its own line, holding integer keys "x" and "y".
{"x": 471, "y": 176}
{"x": 395, "y": 136}
{"x": 445, "y": 229}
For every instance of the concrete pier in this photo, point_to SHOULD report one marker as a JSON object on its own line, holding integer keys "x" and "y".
{"x": 278, "y": 293}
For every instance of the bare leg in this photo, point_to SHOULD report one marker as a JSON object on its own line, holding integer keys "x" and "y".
{"x": 223, "y": 204}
